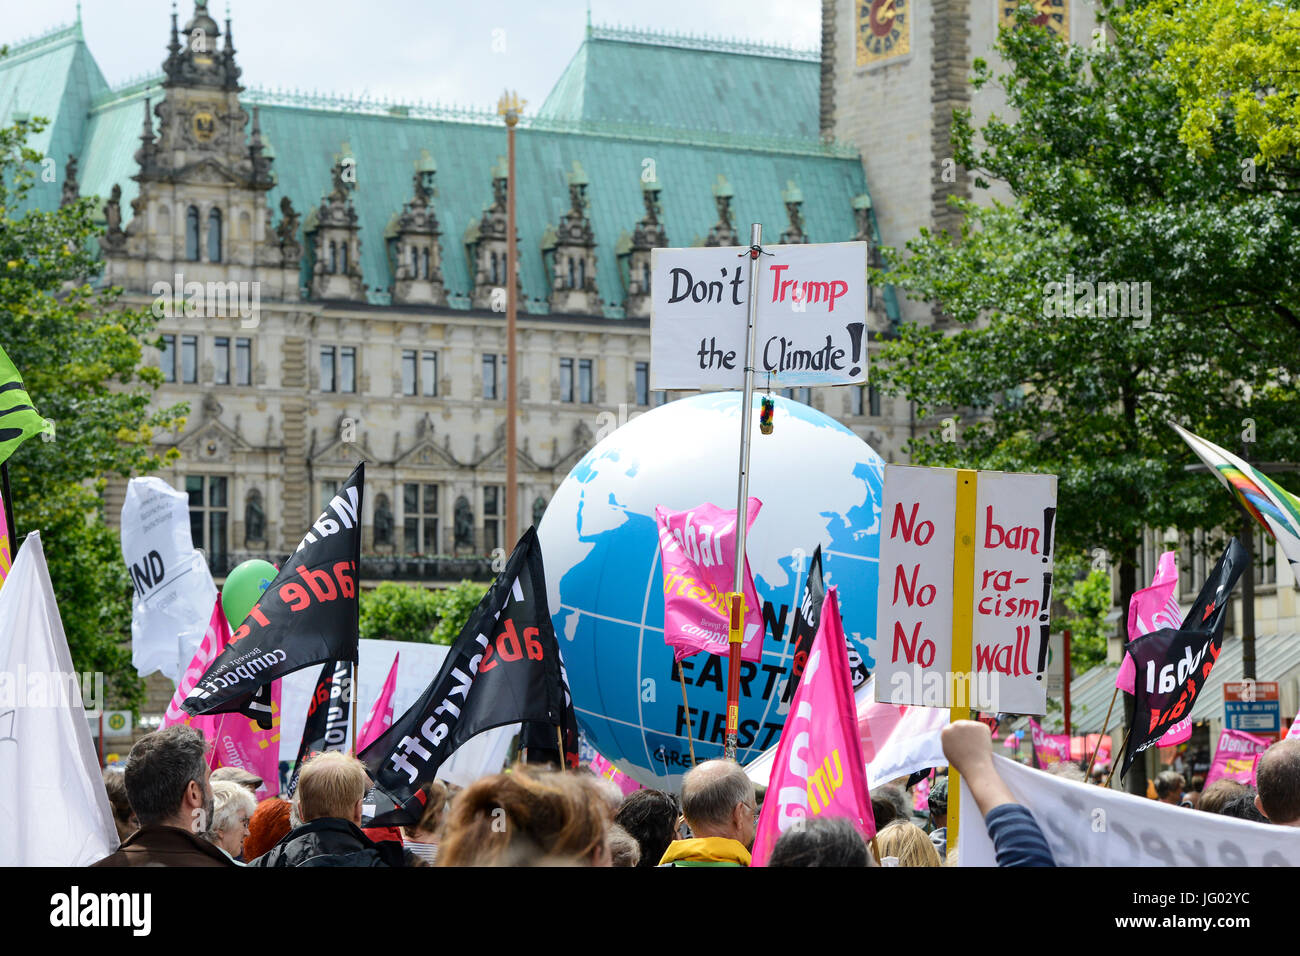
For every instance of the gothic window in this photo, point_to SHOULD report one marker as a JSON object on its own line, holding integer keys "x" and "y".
{"x": 254, "y": 519}
{"x": 494, "y": 519}
{"x": 582, "y": 273}
{"x": 571, "y": 272}
{"x": 343, "y": 246}
{"x": 495, "y": 277}
{"x": 192, "y": 234}
{"x": 415, "y": 263}
{"x": 334, "y": 257}
{"x": 584, "y": 381}
{"x": 214, "y": 235}
{"x": 383, "y": 521}
{"x": 566, "y": 379}
{"x": 645, "y": 277}
{"x": 425, "y": 274}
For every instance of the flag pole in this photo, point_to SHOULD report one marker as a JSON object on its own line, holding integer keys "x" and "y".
{"x": 559, "y": 739}
{"x": 686, "y": 707}
{"x": 9, "y": 509}
{"x": 1105, "y": 725}
{"x": 737, "y": 598}
{"x": 963, "y": 602}
{"x": 352, "y": 692}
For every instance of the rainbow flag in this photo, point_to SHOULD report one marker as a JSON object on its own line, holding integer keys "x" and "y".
{"x": 6, "y": 549}
{"x": 1268, "y": 503}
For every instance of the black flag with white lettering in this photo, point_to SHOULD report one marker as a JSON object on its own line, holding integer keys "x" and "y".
{"x": 804, "y": 629}
{"x": 542, "y": 743}
{"x": 503, "y": 667}
{"x": 326, "y": 727}
{"x": 307, "y": 616}
{"x": 1173, "y": 665}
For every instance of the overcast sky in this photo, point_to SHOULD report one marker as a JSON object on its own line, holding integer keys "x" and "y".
{"x": 462, "y": 53}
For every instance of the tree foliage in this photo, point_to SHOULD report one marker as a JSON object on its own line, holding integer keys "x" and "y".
{"x": 1103, "y": 190}
{"x": 409, "y": 612}
{"x": 79, "y": 352}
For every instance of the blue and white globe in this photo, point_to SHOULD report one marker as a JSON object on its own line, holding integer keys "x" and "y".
{"x": 820, "y": 484}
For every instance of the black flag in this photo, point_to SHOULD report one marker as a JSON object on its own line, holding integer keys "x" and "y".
{"x": 503, "y": 667}
{"x": 804, "y": 629}
{"x": 327, "y": 716}
{"x": 1172, "y": 665}
{"x": 307, "y": 616}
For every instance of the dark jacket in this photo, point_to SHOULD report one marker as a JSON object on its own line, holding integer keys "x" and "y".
{"x": 166, "y": 846}
{"x": 330, "y": 841}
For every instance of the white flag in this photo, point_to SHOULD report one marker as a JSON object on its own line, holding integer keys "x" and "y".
{"x": 174, "y": 592}
{"x": 54, "y": 810}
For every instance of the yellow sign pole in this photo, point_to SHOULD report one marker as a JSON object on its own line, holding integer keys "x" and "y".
{"x": 963, "y": 602}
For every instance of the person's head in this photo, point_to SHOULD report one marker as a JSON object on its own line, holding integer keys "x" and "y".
{"x": 882, "y": 809}
{"x": 123, "y": 818}
{"x": 525, "y": 817}
{"x": 435, "y": 803}
{"x": 1278, "y": 780}
{"x": 1169, "y": 786}
{"x": 1066, "y": 770}
{"x": 623, "y": 848}
{"x": 650, "y": 816}
{"x": 1244, "y": 806}
{"x": 1198, "y": 782}
{"x": 238, "y": 775}
{"x": 908, "y": 843}
{"x": 821, "y": 842}
{"x": 610, "y": 793}
{"x": 938, "y": 801}
{"x": 1218, "y": 793}
{"x": 167, "y": 779}
{"x": 332, "y": 784}
{"x": 718, "y": 800}
{"x": 233, "y": 807}
{"x": 267, "y": 827}
{"x": 897, "y": 798}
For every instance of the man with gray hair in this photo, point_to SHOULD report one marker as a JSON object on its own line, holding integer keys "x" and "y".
{"x": 1278, "y": 778}
{"x": 721, "y": 808}
{"x": 167, "y": 786}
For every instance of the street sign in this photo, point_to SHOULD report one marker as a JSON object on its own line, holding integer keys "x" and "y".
{"x": 1252, "y": 705}
{"x": 117, "y": 724}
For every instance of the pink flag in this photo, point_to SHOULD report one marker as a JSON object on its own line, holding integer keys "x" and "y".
{"x": 603, "y": 768}
{"x": 921, "y": 796}
{"x": 1149, "y": 610}
{"x": 1236, "y": 756}
{"x": 235, "y": 740}
{"x": 698, "y": 550}
{"x": 1295, "y": 727}
{"x": 1049, "y": 748}
{"x": 819, "y": 767}
{"x": 6, "y": 548}
{"x": 381, "y": 713}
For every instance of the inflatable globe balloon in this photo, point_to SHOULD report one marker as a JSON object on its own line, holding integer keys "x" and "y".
{"x": 819, "y": 483}
{"x": 243, "y": 588}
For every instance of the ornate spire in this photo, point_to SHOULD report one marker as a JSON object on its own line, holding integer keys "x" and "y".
{"x": 793, "y": 200}
{"x": 723, "y": 233}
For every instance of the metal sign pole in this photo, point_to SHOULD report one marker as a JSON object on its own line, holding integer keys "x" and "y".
{"x": 737, "y": 606}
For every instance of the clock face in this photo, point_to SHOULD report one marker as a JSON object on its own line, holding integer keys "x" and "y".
{"x": 884, "y": 30}
{"x": 205, "y": 126}
{"x": 1053, "y": 14}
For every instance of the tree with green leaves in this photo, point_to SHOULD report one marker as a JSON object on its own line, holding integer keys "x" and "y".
{"x": 410, "y": 612}
{"x": 79, "y": 353}
{"x": 1201, "y": 326}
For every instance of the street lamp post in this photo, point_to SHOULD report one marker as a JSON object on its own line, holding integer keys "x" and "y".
{"x": 509, "y": 107}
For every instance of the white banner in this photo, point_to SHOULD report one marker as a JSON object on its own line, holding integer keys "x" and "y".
{"x": 1015, "y": 519}
{"x": 1087, "y": 825}
{"x": 174, "y": 592}
{"x": 53, "y": 807}
{"x": 810, "y": 328}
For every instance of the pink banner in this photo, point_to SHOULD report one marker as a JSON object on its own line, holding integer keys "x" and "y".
{"x": 1081, "y": 748}
{"x": 1149, "y": 610}
{"x": 235, "y": 740}
{"x": 603, "y": 768}
{"x": 1049, "y": 748}
{"x": 698, "y": 550}
{"x": 381, "y": 713}
{"x": 1235, "y": 757}
{"x": 921, "y": 796}
{"x": 819, "y": 767}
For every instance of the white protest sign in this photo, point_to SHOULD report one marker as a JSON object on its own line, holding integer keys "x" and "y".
{"x": 174, "y": 592}
{"x": 1010, "y": 555}
{"x": 810, "y": 327}
{"x": 1087, "y": 825}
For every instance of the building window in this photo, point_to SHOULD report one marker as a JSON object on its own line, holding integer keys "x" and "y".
{"x": 584, "y": 381}
{"x": 855, "y": 400}
{"x": 582, "y": 273}
{"x": 343, "y": 255}
{"x": 169, "y": 358}
{"x": 495, "y": 274}
{"x": 566, "y": 379}
{"x": 429, "y": 374}
{"x": 643, "y": 383}
{"x": 383, "y": 521}
{"x": 209, "y": 517}
{"x": 420, "y": 518}
{"x": 347, "y": 369}
{"x": 334, "y": 258}
{"x": 243, "y": 362}
{"x": 327, "y": 378}
{"x": 571, "y": 272}
{"x": 408, "y": 372}
{"x": 660, "y": 398}
{"x": 328, "y": 489}
{"x": 873, "y": 401}
{"x": 493, "y": 517}
{"x": 214, "y": 235}
{"x": 192, "y": 234}
{"x": 221, "y": 360}
{"x": 492, "y": 387}
{"x": 425, "y": 255}
{"x": 189, "y": 359}
{"x": 1263, "y": 558}
{"x": 415, "y": 263}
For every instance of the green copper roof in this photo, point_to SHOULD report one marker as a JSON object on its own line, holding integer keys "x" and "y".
{"x": 633, "y": 76}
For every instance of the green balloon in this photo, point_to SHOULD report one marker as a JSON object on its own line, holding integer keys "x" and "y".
{"x": 243, "y": 588}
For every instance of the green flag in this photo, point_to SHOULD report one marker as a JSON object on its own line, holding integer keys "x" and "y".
{"x": 18, "y": 419}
